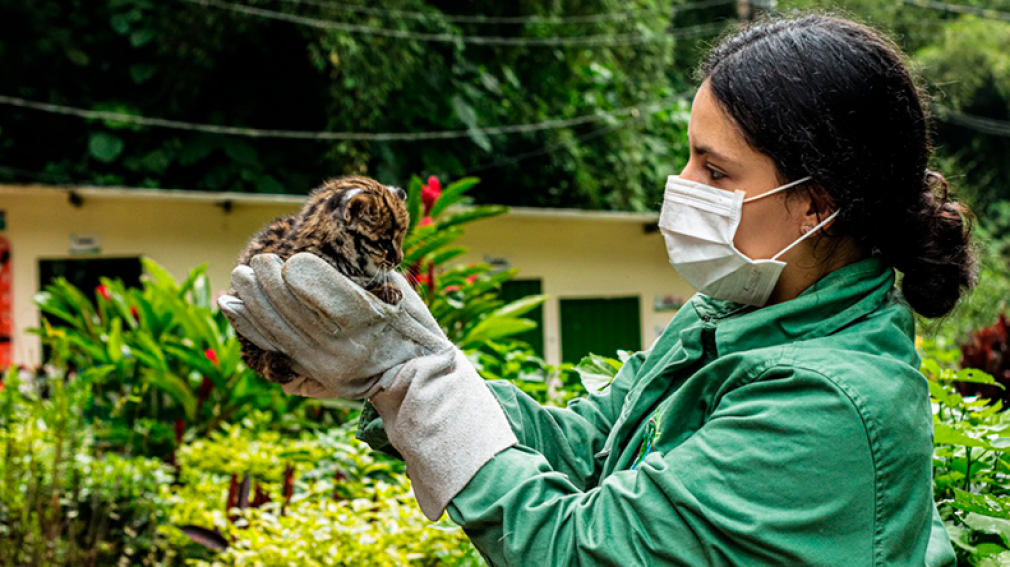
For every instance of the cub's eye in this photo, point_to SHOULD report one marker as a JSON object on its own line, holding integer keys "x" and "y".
{"x": 400, "y": 193}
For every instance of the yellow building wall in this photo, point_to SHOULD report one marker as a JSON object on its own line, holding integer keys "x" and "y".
{"x": 574, "y": 257}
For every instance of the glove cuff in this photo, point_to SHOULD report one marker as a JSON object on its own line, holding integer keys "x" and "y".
{"x": 441, "y": 417}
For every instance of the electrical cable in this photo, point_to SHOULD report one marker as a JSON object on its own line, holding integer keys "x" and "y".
{"x": 960, "y": 9}
{"x": 978, "y": 123}
{"x": 509, "y": 160}
{"x": 518, "y": 20}
{"x": 603, "y": 40}
{"x": 309, "y": 135}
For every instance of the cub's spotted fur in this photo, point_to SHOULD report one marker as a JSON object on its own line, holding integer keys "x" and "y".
{"x": 354, "y": 223}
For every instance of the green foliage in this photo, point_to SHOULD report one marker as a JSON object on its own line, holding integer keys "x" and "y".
{"x": 978, "y": 309}
{"x": 350, "y": 506}
{"x": 202, "y": 64}
{"x": 62, "y": 502}
{"x": 154, "y": 356}
{"x": 971, "y": 461}
{"x": 964, "y": 65}
{"x": 465, "y": 300}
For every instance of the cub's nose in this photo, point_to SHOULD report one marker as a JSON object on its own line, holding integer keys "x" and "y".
{"x": 394, "y": 257}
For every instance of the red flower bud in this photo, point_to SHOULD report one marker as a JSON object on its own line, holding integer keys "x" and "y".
{"x": 430, "y": 192}
{"x": 211, "y": 355}
{"x": 427, "y": 221}
{"x": 471, "y": 279}
{"x": 135, "y": 313}
{"x": 104, "y": 292}
{"x": 422, "y": 279}
{"x": 451, "y": 288}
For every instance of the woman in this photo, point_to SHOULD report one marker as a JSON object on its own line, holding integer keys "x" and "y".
{"x": 779, "y": 420}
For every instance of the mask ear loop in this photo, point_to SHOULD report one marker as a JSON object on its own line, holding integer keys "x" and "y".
{"x": 819, "y": 226}
{"x": 779, "y": 189}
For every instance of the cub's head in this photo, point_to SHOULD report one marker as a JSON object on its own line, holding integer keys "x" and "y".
{"x": 359, "y": 219}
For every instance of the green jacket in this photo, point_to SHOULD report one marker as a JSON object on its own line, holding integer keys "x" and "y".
{"x": 794, "y": 434}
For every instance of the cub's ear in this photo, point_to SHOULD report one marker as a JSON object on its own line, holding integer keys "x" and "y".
{"x": 358, "y": 206}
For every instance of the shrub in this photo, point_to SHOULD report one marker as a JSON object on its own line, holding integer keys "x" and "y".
{"x": 62, "y": 502}
{"x": 346, "y": 506}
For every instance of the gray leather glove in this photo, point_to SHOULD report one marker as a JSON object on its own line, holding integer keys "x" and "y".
{"x": 340, "y": 337}
{"x": 442, "y": 418}
{"x": 436, "y": 409}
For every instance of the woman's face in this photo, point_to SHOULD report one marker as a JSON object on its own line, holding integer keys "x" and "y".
{"x": 720, "y": 157}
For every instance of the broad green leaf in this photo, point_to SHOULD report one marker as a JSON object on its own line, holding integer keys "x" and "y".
{"x": 597, "y": 372}
{"x": 989, "y": 525}
{"x": 452, "y": 194}
{"x": 944, "y": 434}
{"x": 976, "y": 376}
{"x": 984, "y": 504}
{"x": 496, "y": 328}
{"x": 176, "y": 388}
{"x": 431, "y": 244}
{"x": 471, "y": 215}
{"x": 520, "y": 306}
{"x": 191, "y": 280}
{"x": 161, "y": 277}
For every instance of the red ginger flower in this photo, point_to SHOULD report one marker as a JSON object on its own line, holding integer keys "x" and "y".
{"x": 471, "y": 279}
{"x": 430, "y": 192}
{"x": 211, "y": 355}
{"x": 451, "y": 288}
{"x": 104, "y": 292}
{"x": 135, "y": 313}
{"x": 426, "y": 221}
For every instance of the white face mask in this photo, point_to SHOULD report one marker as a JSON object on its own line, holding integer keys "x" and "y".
{"x": 699, "y": 223}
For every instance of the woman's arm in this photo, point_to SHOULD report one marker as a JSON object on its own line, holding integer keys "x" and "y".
{"x": 781, "y": 474}
{"x": 568, "y": 438}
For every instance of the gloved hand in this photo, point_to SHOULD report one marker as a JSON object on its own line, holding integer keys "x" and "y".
{"x": 340, "y": 337}
{"x": 436, "y": 409}
{"x": 444, "y": 421}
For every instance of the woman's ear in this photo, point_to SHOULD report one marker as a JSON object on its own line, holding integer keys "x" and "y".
{"x": 817, "y": 206}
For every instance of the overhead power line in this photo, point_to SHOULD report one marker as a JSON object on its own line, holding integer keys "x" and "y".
{"x": 961, "y": 9}
{"x": 602, "y": 40}
{"x": 310, "y": 135}
{"x": 517, "y": 20}
{"x": 985, "y": 125}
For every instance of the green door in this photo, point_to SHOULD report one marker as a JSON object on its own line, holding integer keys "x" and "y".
{"x": 518, "y": 289}
{"x": 599, "y": 326}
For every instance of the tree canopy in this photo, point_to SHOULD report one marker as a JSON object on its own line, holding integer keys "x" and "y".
{"x": 590, "y": 93}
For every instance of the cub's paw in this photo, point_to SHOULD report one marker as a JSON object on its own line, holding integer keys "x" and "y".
{"x": 387, "y": 292}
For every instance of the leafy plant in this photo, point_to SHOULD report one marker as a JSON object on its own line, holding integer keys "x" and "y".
{"x": 971, "y": 460}
{"x": 161, "y": 360}
{"x": 345, "y": 505}
{"x": 465, "y": 300}
{"x": 62, "y": 502}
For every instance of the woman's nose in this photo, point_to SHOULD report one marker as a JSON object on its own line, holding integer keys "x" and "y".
{"x": 692, "y": 172}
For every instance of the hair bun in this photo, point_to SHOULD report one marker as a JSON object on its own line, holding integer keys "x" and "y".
{"x": 935, "y": 255}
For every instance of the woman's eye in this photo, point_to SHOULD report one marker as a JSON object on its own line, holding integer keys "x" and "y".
{"x": 715, "y": 173}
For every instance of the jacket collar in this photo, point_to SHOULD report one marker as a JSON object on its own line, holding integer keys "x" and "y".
{"x": 835, "y": 301}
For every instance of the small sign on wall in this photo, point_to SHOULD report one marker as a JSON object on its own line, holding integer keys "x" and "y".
{"x": 85, "y": 244}
{"x": 498, "y": 263}
{"x": 662, "y": 303}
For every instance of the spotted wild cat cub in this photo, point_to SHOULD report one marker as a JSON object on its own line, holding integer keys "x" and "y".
{"x": 357, "y": 225}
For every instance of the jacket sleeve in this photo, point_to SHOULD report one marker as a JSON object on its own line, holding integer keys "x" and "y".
{"x": 776, "y": 476}
{"x": 568, "y": 438}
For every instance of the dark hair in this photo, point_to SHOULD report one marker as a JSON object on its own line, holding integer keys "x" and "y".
{"x": 833, "y": 99}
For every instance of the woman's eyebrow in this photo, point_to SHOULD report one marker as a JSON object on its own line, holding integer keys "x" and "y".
{"x": 705, "y": 150}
